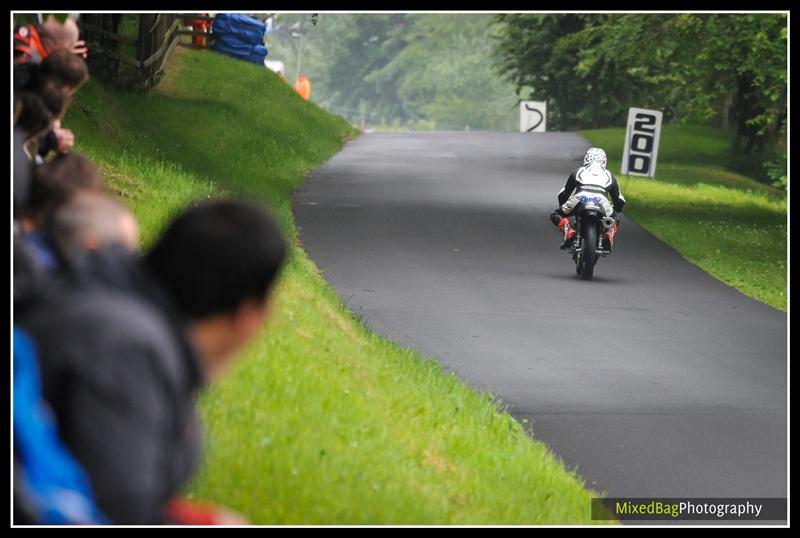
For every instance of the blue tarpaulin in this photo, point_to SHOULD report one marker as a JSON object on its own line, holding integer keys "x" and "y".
{"x": 245, "y": 51}
{"x": 240, "y": 36}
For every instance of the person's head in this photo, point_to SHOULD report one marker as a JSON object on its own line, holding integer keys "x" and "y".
{"x": 40, "y": 104}
{"x": 54, "y": 96}
{"x": 57, "y": 36}
{"x": 595, "y": 156}
{"x": 219, "y": 261}
{"x": 54, "y": 181}
{"x": 66, "y": 69}
{"x": 90, "y": 220}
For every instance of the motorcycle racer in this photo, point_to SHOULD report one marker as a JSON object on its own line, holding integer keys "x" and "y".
{"x": 592, "y": 180}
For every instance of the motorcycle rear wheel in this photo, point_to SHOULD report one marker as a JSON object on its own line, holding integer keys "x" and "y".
{"x": 588, "y": 252}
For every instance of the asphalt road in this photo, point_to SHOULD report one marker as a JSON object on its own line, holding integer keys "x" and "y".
{"x": 653, "y": 379}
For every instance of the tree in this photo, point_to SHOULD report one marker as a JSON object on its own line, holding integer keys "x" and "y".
{"x": 340, "y": 52}
{"x": 444, "y": 74}
{"x": 430, "y": 69}
{"x": 703, "y": 68}
{"x": 526, "y": 55}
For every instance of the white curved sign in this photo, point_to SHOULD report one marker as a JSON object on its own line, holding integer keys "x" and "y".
{"x": 532, "y": 116}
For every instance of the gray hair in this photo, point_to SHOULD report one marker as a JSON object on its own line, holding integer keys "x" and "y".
{"x": 91, "y": 219}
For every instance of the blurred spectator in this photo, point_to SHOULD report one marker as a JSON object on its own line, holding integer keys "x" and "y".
{"x": 22, "y": 172}
{"x": 89, "y": 234}
{"x": 234, "y": 250}
{"x": 68, "y": 70}
{"x": 36, "y": 109}
{"x": 56, "y": 139}
{"x": 90, "y": 220}
{"x": 34, "y": 42}
{"x": 26, "y": 271}
{"x": 303, "y": 87}
{"x": 45, "y": 56}
{"x": 54, "y": 182}
{"x": 70, "y": 73}
{"x": 85, "y": 236}
{"x": 122, "y": 359}
{"x": 50, "y": 487}
{"x": 51, "y": 185}
{"x": 29, "y": 274}
{"x": 24, "y": 74}
{"x": 63, "y": 67}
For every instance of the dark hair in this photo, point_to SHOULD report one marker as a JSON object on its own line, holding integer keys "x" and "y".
{"x": 31, "y": 114}
{"x": 216, "y": 255}
{"x": 38, "y": 105}
{"x": 24, "y": 74}
{"x": 65, "y": 68}
{"x": 23, "y": 168}
{"x": 53, "y": 96}
{"x": 54, "y": 181}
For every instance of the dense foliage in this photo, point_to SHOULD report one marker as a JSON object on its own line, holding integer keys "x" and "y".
{"x": 724, "y": 69}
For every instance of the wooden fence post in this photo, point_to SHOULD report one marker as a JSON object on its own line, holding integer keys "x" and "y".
{"x": 158, "y": 35}
{"x": 145, "y": 48}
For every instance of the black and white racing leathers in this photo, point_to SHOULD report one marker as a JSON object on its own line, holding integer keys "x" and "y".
{"x": 591, "y": 181}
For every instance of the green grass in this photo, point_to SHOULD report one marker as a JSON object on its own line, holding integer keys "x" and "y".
{"x": 321, "y": 421}
{"x": 731, "y": 226}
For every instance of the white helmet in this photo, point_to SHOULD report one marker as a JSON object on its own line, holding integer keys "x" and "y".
{"x": 595, "y": 155}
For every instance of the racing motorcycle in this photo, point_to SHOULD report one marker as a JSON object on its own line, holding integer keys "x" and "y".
{"x": 589, "y": 243}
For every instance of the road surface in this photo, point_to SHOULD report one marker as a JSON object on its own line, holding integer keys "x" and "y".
{"x": 653, "y": 379}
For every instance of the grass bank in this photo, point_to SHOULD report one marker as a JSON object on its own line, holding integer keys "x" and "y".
{"x": 731, "y": 226}
{"x": 321, "y": 421}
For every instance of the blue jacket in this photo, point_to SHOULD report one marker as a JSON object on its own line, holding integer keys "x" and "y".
{"x": 50, "y": 487}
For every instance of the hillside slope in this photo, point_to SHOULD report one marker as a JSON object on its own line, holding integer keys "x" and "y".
{"x": 321, "y": 421}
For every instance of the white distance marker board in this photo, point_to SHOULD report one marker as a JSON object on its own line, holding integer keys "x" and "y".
{"x": 641, "y": 142}
{"x": 532, "y": 116}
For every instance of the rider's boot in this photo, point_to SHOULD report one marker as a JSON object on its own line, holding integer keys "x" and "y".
{"x": 569, "y": 233}
{"x": 608, "y": 237}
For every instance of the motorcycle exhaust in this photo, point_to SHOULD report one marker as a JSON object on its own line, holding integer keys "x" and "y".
{"x": 608, "y": 222}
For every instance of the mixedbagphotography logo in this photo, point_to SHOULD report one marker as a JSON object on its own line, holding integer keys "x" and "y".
{"x": 739, "y": 509}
